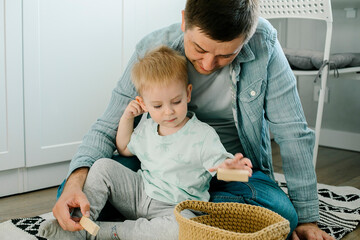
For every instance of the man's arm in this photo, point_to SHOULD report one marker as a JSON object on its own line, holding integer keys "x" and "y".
{"x": 72, "y": 197}
{"x": 296, "y": 140}
{"x": 288, "y": 124}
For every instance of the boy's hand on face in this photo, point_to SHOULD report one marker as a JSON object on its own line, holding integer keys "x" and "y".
{"x": 133, "y": 110}
{"x": 238, "y": 162}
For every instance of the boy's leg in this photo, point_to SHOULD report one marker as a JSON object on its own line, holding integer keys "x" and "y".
{"x": 132, "y": 163}
{"x": 156, "y": 220}
{"x": 260, "y": 190}
{"x": 107, "y": 180}
{"x": 109, "y": 213}
{"x": 147, "y": 218}
{"x": 110, "y": 181}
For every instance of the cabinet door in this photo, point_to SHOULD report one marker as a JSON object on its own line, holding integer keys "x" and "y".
{"x": 11, "y": 87}
{"x": 72, "y": 61}
{"x": 142, "y": 17}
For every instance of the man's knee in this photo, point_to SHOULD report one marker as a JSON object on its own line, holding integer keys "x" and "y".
{"x": 260, "y": 191}
{"x": 288, "y": 212}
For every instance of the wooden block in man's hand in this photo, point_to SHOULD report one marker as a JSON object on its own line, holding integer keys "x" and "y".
{"x": 232, "y": 175}
{"x": 89, "y": 225}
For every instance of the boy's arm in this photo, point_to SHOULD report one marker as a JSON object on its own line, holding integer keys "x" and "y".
{"x": 123, "y": 135}
{"x": 238, "y": 162}
{"x": 126, "y": 127}
{"x": 215, "y": 156}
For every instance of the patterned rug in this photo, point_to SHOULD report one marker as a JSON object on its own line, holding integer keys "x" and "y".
{"x": 339, "y": 214}
{"x": 339, "y": 207}
{"x": 23, "y": 228}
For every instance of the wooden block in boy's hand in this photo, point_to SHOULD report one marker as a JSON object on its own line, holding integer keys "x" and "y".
{"x": 232, "y": 175}
{"x": 89, "y": 225}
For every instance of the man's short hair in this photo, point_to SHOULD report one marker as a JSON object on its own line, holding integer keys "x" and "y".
{"x": 159, "y": 67}
{"x": 223, "y": 20}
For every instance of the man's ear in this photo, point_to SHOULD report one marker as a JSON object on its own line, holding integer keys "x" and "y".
{"x": 188, "y": 91}
{"x": 183, "y": 20}
{"x": 140, "y": 100}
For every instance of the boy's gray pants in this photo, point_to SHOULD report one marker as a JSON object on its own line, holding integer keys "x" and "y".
{"x": 147, "y": 218}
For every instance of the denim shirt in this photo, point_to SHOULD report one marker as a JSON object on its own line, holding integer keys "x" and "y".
{"x": 264, "y": 97}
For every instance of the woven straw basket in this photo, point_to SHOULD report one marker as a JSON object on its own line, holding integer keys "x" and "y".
{"x": 226, "y": 221}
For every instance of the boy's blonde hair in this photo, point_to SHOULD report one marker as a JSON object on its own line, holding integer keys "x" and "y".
{"x": 159, "y": 67}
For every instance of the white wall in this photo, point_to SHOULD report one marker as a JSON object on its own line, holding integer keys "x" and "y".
{"x": 142, "y": 17}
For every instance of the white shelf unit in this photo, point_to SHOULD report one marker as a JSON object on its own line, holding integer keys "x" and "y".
{"x": 311, "y": 10}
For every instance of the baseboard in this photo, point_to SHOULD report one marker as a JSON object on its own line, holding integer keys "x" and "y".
{"x": 22, "y": 180}
{"x": 340, "y": 139}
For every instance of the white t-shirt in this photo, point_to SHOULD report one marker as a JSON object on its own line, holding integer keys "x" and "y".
{"x": 175, "y": 167}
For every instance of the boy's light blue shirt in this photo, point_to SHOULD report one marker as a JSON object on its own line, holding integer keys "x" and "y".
{"x": 174, "y": 168}
{"x": 264, "y": 96}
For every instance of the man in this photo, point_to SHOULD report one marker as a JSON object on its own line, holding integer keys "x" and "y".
{"x": 242, "y": 86}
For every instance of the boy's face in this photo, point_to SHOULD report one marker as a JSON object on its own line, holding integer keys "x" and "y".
{"x": 167, "y": 105}
{"x": 206, "y": 54}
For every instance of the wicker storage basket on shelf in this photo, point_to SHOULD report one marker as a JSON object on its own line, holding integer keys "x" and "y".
{"x": 225, "y": 221}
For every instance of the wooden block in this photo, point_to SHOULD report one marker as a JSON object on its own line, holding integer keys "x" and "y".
{"x": 233, "y": 175}
{"x": 89, "y": 225}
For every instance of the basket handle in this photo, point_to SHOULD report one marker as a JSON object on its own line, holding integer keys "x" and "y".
{"x": 207, "y": 207}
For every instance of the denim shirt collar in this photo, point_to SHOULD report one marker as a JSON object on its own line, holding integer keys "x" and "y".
{"x": 178, "y": 44}
{"x": 245, "y": 55}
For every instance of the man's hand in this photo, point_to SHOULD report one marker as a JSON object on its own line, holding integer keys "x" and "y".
{"x": 310, "y": 231}
{"x": 72, "y": 197}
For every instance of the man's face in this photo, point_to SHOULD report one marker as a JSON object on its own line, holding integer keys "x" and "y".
{"x": 208, "y": 55}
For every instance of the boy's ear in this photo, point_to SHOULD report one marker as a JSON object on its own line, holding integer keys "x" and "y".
{"x": 140, "y": 100}
{"x": 188, "y": 90}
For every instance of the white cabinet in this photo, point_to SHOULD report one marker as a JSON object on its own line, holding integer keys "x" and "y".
{"x": 11, "y": 97}
{"x": 72, "y": 61}
{"x": 59, "y": 61}
{"x": 11, "y": 85}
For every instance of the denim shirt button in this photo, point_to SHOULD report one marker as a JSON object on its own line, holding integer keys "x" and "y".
{"x": 253, "y": 93}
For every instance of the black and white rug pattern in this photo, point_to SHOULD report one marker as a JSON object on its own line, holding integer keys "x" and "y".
{"x": 339, "y": 214}
{"x": 339, "y": 207}
{"x": 23, "y": 228}
{"x": 29, "y": 225}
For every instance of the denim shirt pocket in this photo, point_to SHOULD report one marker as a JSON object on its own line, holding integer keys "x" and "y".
{"x": 252, "y": 99}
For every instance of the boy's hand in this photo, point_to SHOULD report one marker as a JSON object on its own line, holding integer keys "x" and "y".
{"x": 133, "y": 110}
{"x": 238, "y": 162}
